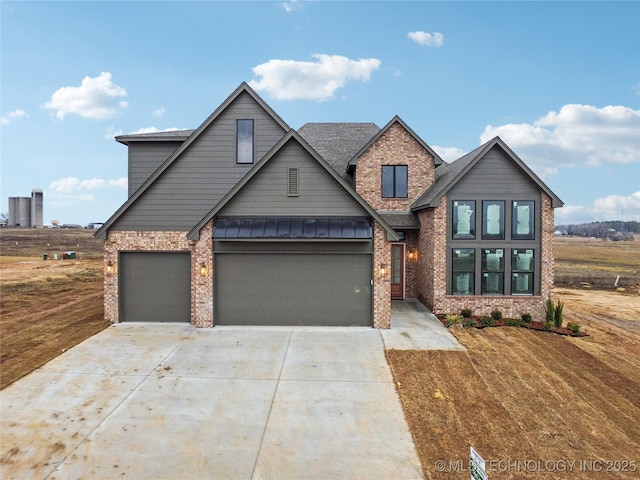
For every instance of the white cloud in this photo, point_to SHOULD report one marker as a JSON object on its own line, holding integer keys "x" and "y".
{"x": 611, "y": 207}
{"x": 154, "y": 130}
{"x": 426, "y": 39}
{"x": 72, "y": 184}
{"x": 159, "y": 111}
{"x": 96, "y": 98}
{"x": 291, "y": 6}
{"x": 636, "y": 89}
{"x": 292, "y": 79}
{"x": 112, "y": 133}
{"x": 576, "y": 136}
{"x": 449, "y": 154}
{"x": 11, "y": 116}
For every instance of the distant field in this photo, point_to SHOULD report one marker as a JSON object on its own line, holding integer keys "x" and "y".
{"x": 35, "y": 242}
{"x": 596, "y": 262}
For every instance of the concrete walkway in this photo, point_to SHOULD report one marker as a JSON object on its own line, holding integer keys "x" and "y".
{"x": 171, "y": 401}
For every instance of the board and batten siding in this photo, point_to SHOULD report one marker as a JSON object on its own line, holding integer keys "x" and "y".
{"x": 318, "y": 192}
{"x": 145, "y": 158}
{"x": 206, "y": 171}
{"x": 496, "y": 177}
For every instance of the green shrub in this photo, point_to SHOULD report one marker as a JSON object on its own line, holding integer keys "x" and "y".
{"x": 496, "y": 314}
{"x": 465, "y": 312}
{"x": 549, "y": 326}
{"x": 469, "y": 324}
{"x": 487, "y": 320}
{"x": 526, "y": 317}
{"x": 515, "y": 322}
{"x": 549, "y": 311}
{"x": 557, "y": 317}
{"x": 453, "y": 319}
{"x": 574, "y": 327}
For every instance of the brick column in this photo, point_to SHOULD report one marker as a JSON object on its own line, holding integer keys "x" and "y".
{"x": 381, "y": 282}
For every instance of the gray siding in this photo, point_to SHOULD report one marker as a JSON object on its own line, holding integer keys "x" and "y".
{"x": 495, "y": 177}
{"x": 203, "y": 174}
{"x": 145, "y": 158}
{"x": 319, "y": 192}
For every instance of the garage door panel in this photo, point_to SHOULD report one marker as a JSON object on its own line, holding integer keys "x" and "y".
{"x": 293, "y": 289}
{"x": 155, "y": 287}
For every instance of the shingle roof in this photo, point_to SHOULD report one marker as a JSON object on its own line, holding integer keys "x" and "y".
{"x": 337, "y": 143}
{"x": 170, "y": 135}
{"x": 401, "y": 220}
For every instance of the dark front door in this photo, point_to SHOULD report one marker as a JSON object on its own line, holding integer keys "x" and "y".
{"x": 397, "y": 271}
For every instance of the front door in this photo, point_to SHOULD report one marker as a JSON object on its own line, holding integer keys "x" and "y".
{"x": 397, "y": 270}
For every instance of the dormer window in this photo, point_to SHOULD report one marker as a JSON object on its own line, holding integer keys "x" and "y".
{"x": 244, "y": 141}
{"x": 394, "y": 181}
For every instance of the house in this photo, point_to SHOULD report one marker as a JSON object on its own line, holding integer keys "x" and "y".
{"x": 245, "y": 220}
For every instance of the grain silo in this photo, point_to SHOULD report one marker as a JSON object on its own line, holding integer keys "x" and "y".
{"x": 36, "y": 207}
{"x": 13, "y": 212}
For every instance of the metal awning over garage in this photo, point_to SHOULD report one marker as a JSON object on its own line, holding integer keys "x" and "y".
{"x": 298, "y": 228}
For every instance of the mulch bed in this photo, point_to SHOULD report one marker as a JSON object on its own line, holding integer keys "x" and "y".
{"x": 505, "y": 323}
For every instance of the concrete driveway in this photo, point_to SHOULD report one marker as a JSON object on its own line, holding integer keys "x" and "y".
{"x": 172, "y": 401}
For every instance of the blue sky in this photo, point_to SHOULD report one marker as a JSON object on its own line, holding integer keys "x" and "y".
{"x": 558, "y": 81}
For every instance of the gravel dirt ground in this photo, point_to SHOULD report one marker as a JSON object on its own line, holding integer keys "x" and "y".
{"x": 563, "y": 407}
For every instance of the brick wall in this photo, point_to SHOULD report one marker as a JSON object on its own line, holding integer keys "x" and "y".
{"x": 431, "y": 277}
{"x": 201, "y": 252}
{"x": 381, "y": 282}
{"x": 394, "y": 147}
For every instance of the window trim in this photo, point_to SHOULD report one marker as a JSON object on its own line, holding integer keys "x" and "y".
{"x": 531, "y": 272}
{"x": 501, "y": 220}
{"x": 514, "y": 220}
{"x": 252, "y": 138}
{"x": 454, "y": 220}
{"x": 485, "y": 272}
{"x": 471, "y": 273}
{"x": 394, "y": 181}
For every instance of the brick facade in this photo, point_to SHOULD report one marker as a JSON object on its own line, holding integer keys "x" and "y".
{"x": 381, "y": 281}
{"x": 394, "y": 147}
{"x": 140, "y": 241}
{"x": 431, "y": 278}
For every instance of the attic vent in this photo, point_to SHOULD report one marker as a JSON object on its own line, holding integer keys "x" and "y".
{"x": 292, "y": 182}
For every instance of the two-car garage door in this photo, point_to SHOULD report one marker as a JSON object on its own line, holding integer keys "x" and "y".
{"x": 293, "y": 288}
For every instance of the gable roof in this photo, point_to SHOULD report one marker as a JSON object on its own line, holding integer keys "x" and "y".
{"x": 292, "y": 135}
{"x": 338, "y": 142}
{"x": 243, "y": 88}
{"x": 448, "y": 175}
{"x": 396, "y": 119}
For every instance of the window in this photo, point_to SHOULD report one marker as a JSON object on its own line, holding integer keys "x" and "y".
{"x": 492, "y": 271}
{"x": 463, "y": 262}
{"x": 522, "y": 272}
{"x": 464, "y": 219}
{"x": 394, "y": 181}
{"x": 244, "y": 141}
{"x": 522, "y": 220}
{"x": 493, "y": 219}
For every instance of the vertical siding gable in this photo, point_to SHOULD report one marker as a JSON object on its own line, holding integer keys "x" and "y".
{"x": 267, "y": 192}
{"x": 495, "y": 174}
{"x": 145, "y": 158}
{"x": 203, "y": 173}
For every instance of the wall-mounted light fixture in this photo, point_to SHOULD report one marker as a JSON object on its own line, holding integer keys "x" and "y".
{"x": 109, "y": 267}
{"x": 383, "y": 269}
{"x": 203, "y": 269}
{"x": 413, "y": 254}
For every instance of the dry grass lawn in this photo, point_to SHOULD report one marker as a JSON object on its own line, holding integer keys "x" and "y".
{"x": 521, "y": 395}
